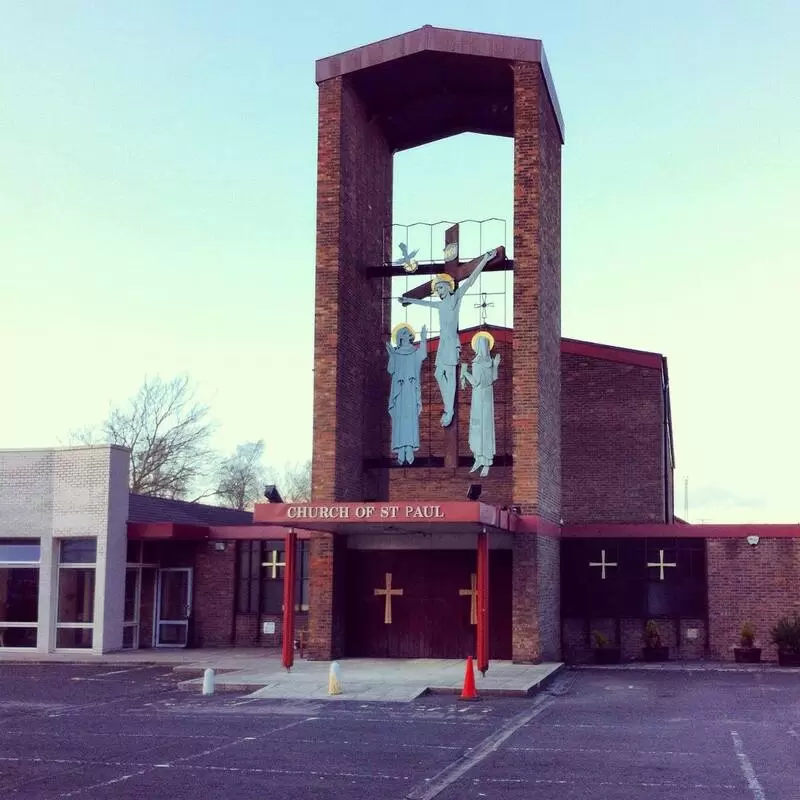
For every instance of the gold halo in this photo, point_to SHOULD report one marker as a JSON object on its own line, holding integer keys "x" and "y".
{"x": 442, "y": 277}
{"x": 398, "y": 327}
{"x": 482, "y": 335}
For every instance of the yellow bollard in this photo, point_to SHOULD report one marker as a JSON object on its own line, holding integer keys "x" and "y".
{"x": 334, "y": 683}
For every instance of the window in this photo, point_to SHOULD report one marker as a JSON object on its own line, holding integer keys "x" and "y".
{"x": 19, "y": 592}
{"x": 78, "y": 551}
{"x": 633, "y": 578}
{"x": 248, "y": 557}
{"x": 76, "y": 592}
{"x": 260, "y": 576}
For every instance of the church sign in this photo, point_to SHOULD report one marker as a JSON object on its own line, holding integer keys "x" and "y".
{"x": 365, "y": 511}
{"x": 331, "y": 515}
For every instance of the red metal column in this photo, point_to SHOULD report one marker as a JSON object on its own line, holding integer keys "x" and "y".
{"x": 483, "y": 602}
{"x": 289, "y": 573}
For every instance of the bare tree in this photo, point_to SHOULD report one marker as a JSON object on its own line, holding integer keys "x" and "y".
{"x": 167, "y": 432}
{"x": 295, "y": 482}
{"x": 241, "y": 477}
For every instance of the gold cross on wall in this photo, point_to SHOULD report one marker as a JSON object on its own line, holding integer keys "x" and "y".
{"x": 602, "y": 563}
{"x": 473, "y": 593}
{"x": 661, "y": 564}
{"x": 388, "y": 593}
{"x": 274, "y": 563}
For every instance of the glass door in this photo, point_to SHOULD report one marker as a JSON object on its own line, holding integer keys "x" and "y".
{"x": 133, "y": 594}
{"x": 174, "y": 607}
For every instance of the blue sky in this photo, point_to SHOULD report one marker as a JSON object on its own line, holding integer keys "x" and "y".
{"x": 157, "y": 205}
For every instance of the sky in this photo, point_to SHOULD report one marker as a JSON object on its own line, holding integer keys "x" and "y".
{"x": 157, "y": 211}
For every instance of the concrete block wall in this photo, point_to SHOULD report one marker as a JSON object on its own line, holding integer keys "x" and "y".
{"x": 63, "y": 493}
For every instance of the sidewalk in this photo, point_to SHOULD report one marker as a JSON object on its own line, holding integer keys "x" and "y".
{"x": 258, "y": 672}
{"x": 387, "y": 680}
{"x": 218, "y": 658}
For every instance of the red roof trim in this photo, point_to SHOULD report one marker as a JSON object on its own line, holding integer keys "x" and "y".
{"x": 607, "y": 352}
{"x": 679, "y": 531}
{"x": 167, "y": 530}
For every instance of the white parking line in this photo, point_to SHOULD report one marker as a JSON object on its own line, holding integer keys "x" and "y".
{"x": 434, "y": 786}
{"x": 121, "y": 671}
{"x": 747, "y": 768}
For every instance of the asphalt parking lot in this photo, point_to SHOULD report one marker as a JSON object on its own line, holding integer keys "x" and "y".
{"x": 95, "y": 732}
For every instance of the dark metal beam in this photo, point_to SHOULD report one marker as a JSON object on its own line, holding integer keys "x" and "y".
{"x": 429, "y": 268}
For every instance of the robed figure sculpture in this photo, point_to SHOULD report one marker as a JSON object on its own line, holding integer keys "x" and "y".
{"x": 448, "y": 306}
{"x": 481, "y": 416}
{"x": 405, "y": 396}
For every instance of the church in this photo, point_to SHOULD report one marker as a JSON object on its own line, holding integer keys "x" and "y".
{"x": 491, "y": 490}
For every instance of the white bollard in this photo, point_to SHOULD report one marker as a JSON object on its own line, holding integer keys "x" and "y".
{"x": 208, "y": 682}
{"x": 334, "y": 681}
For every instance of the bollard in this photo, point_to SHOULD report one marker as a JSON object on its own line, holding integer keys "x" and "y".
{"x": 334, "y": 682}
{"x": 208, "y": 682}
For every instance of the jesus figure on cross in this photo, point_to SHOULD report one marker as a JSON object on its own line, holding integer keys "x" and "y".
{"x": 448, "y": 306}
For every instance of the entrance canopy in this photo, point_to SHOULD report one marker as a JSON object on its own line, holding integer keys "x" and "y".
{"x": 401, "y": 517}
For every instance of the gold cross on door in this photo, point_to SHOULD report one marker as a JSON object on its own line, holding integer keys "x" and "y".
{"x": 387, "y": 592}
{"x": 472, "y": 592}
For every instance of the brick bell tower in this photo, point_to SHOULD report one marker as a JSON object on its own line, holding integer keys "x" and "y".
{"x": 374, "y": 101}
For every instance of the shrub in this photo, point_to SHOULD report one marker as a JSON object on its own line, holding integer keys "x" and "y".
{"x": 747, "y": 635}
{"x": 786, "y": 635}
{"x": 652, "y": 635}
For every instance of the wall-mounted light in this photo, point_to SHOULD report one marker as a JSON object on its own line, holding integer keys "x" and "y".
{"x": 272, "y": 494}
{"x": 752, "y": 540}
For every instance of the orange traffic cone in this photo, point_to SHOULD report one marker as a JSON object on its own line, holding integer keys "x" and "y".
{"x": 469, "y": 692}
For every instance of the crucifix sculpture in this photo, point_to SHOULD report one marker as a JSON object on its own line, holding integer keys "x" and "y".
{"x": 450, "y": 286}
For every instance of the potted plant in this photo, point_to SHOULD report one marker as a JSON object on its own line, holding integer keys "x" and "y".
{"x": 786, "y": 636}
{"x": 653, "y": 650}
{"x": 604, "y": 651}
{"x": 747, "y": 652}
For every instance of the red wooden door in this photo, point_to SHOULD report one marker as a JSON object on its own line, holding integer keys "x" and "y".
{"x": 431, "y": 619}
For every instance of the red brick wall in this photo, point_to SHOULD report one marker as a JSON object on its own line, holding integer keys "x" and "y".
{"x": 537, "y": 360}
{"x": 249, "y": 626}
{"x": 326, "y": 619}
{"x": 629, "y": 637}
{"x": 354, "y": 194}
{"x": 757, "y": 584}
{"x": 524, "y": 601}
{"x": 549, "y": 569}
{"x": 612, "y": 431}
{"x": 536, "y": 605}
{"x": 537, "y": 297}
{"x": 213, "y": 605}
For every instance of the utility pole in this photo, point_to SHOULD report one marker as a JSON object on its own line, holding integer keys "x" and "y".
{"x": 686, "y": 499}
